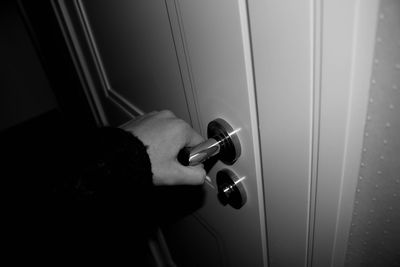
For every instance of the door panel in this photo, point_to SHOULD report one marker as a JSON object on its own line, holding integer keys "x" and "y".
{"x": 208, "y": 252}
{"x": 183, "y": 56}
{"x": 220, "y": 63}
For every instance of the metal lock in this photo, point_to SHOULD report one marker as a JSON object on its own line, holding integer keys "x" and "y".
{"x": 230, "y": 189}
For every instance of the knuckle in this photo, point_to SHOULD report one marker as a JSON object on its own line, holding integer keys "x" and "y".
{"x": 184, "y": 124}
{"x": 167, "y": 113}
{"x": 181, "y": 126}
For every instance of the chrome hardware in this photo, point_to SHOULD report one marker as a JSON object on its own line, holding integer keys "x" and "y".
{"x": 230, "y": 189}
{"x": 223, "y": 142}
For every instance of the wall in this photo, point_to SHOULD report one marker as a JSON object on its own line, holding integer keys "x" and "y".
{"x": 375, "y": 233}
{"x": 24, "y": 89}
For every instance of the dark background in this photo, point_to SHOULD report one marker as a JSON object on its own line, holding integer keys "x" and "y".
{"x": 25, "y": 91}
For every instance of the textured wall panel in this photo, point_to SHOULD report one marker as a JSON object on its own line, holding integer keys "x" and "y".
{"x": 375, "y": 230}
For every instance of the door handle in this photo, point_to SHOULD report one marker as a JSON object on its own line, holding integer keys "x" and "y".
{"x": 223, "y": 143}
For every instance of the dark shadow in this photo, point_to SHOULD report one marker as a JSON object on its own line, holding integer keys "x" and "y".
{"x": 175, "y": 202}
{"x": 209, "y": 163}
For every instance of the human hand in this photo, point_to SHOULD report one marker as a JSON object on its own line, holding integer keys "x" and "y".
{"x": 165, "y": 135}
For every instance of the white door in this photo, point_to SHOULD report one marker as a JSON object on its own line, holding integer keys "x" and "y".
{"x": 194, "y": 58}
{"x": 309, "y": 64}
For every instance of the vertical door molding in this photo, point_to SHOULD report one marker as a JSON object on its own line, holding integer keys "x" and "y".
{"x": 254, "y": 122}
{"x": 283, "y": 43}
{"x": 82, "y": 53}
{"x": 348, "y": 30}
{"x": 178, "y": 33}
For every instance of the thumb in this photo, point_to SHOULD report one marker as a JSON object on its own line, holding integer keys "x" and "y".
{"x": 190, "y": 175}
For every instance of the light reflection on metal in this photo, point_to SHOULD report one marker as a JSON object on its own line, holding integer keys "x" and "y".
{"x": 203, "y": 151}
{"x": 235, "y": 131}
{"x": 208, "y": 181}
{"x": 227, "y": 138}
{"x": 240, "y": 180}
{"x": 223, "y": 142}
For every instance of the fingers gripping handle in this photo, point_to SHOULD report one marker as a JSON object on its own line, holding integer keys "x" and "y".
{"x": 200, "y": 153}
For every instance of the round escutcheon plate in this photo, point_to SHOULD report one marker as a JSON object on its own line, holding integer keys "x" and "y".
{"x": 230, "y": 189}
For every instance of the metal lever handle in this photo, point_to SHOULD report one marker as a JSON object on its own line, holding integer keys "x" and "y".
{"x": 200, "y": 153}
{"x": 223, "y": 141}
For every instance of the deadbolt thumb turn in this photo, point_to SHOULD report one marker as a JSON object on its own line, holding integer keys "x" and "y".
{"x": 230, "y": 189}
{"x": 223, "y": 143}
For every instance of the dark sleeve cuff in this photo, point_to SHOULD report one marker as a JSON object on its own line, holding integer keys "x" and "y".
{"x": 114, "y": 164}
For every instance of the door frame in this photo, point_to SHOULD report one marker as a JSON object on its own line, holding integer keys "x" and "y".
{"x": 337, "y": 39}
{"x": 348, "y": 39}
